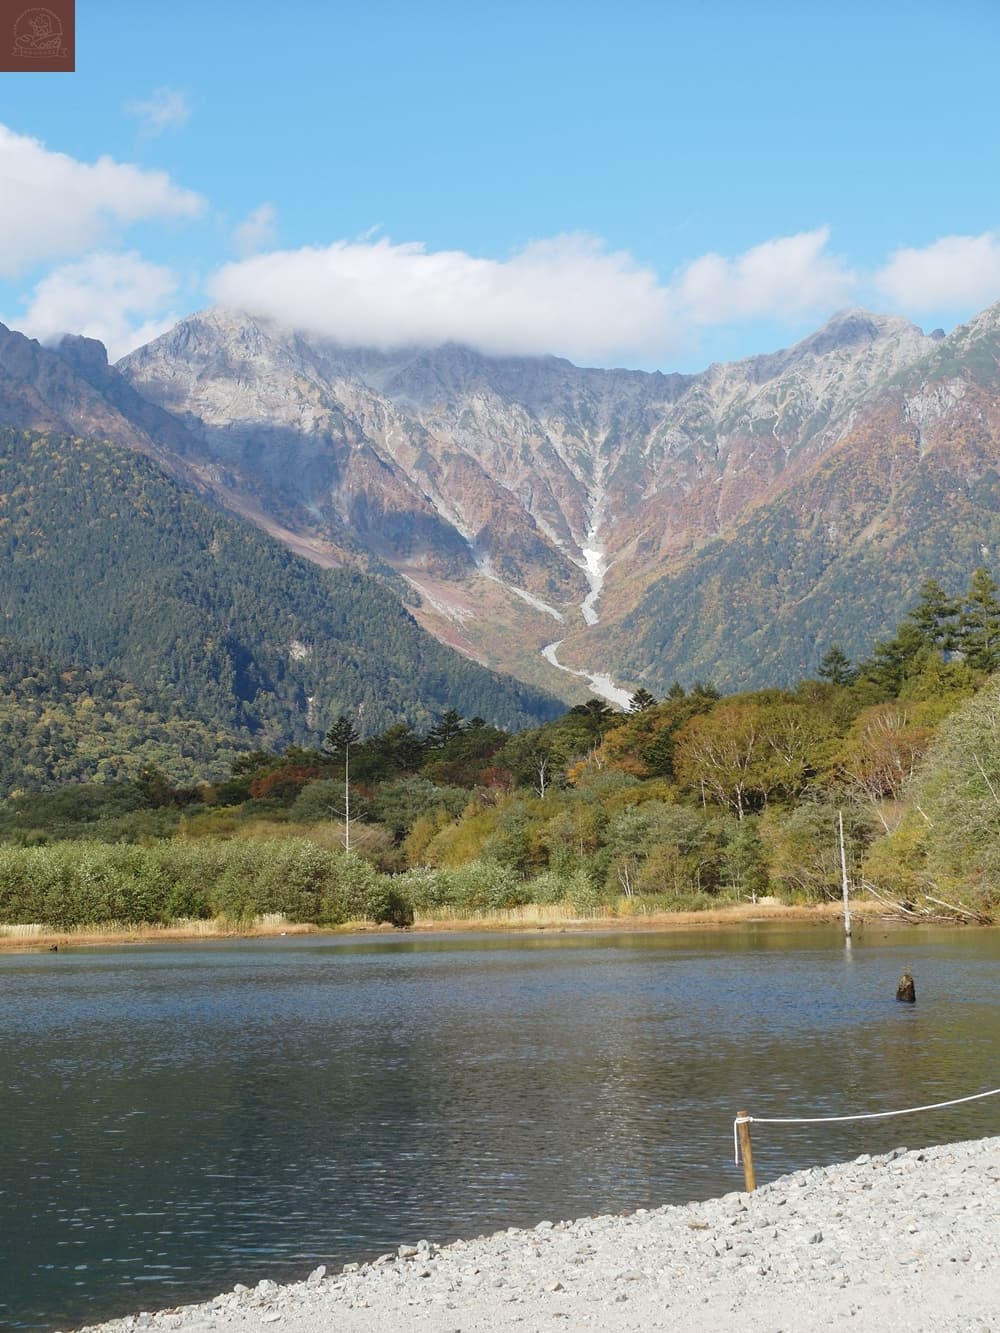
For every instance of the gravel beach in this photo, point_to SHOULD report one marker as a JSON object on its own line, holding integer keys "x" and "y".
{"x": 905, "y": 1241}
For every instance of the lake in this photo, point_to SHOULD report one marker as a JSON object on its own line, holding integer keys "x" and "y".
{"x": 179, "y": 1117}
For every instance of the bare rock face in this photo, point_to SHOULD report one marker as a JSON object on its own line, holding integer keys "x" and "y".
{"x": 297, "y": 427}
{"x": 529, "y": 471}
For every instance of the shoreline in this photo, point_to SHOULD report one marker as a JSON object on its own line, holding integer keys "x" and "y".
{"x": 516, "y": 921}
{"x": 908, "y": 1239}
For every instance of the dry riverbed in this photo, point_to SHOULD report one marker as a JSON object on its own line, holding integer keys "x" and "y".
{"x": 905, "y": 1241}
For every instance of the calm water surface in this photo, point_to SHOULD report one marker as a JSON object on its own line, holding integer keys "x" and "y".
{"x": 176, "y": 1118}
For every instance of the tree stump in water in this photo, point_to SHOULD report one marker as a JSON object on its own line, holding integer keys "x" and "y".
{"x": 906, "y": 990}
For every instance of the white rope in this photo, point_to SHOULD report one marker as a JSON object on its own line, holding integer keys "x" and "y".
{"x": 862, "y": 1115}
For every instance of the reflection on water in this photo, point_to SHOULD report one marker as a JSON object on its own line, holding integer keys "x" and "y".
{"x": 177, "y": 1118}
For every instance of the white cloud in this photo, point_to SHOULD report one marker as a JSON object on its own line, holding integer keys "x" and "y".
{"x": 52, "y": 206}
{"x": 118, "y": 298}
{"x": 786, "y": 277}
{"x": 257, "y": 231}
{"x": 568, "y": 295}
{"x": 951, "y": 273}
{"x": 165, "y": 109}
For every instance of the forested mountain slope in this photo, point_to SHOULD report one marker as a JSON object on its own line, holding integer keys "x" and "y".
{"x": 61, "y": 724}
{"x": 107, "y": 563}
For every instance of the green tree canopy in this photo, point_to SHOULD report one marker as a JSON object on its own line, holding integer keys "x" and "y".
{"x": 835, "y": 666}
{"x": 341, "y": 736}
{"x": 936, "y": 616}
{"x": 979, "y": 623}
{"x": 640, "y": 701}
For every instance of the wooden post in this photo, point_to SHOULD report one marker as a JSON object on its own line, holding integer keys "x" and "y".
{"x": 843, "y": 871}
{"x": 347, "y": 798}
{"x": 746, "y": 1151}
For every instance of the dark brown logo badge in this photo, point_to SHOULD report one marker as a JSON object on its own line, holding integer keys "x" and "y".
{"x": 37, "y": 38}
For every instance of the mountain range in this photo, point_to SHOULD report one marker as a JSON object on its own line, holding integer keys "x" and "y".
{"x": 576, "y": 527}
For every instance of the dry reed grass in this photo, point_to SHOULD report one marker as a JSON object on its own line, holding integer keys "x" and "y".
{"x": 184, "y": 928}
{"x": 532, "y": 916}
{"x": 621, "y": 915}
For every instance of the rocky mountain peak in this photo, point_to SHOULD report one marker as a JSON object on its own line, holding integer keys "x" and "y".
{"x": 853, "y": 352}
{"x": 42, "y": 390}
{"x": 213, "y": 333}
{"x": 87, "y": 356}
{"x": 17, "y": 352}
{"x": 854, "y": 327}
{"x": 986, "y": 323}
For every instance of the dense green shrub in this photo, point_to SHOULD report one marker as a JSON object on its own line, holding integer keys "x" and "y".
{"x": 287, "y": 876}
{"x": 426, "y": 890}
{"x": 89, "y": 883}
{"x": 485, "y": 886}
{"x": 648, "y": 903}
{"x": 549, "y": 887}
{"x": 583, "y": 893}
{"x": 75, "y": 884}
{"x": 318, "y": 801}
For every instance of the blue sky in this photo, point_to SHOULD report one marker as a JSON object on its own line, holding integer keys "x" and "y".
{"x": 659, "y": 185}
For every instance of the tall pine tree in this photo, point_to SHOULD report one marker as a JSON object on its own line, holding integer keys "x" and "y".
{"x": 936, "y": 616}
{"x": 979, "y": 623}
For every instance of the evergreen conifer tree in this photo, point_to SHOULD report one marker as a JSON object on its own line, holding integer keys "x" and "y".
{"x": 640, "y": 701}
{"x": 936, "y": 616}
{"x": 340, "y": 737}
{"x": 835, "y": 666}
{"x": 979, "y": 623}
